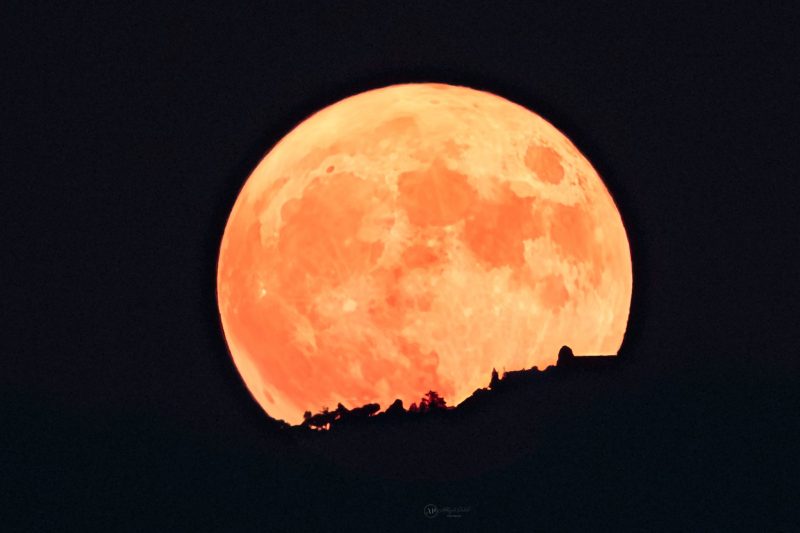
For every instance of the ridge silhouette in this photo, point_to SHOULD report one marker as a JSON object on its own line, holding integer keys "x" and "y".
{"x": 517, "y": 413}
{"x": 432, "y": 403}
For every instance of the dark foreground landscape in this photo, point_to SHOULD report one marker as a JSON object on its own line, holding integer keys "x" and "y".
{"x": 570, "y": 447}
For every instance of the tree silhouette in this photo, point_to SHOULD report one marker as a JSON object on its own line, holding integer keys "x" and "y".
{"x": 432, "y": 402}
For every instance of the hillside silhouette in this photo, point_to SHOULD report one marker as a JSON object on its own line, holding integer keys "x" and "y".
{"x": 501, "y": 420}
{"x": 598, "y": 432}
{"x": 431, "y": 403}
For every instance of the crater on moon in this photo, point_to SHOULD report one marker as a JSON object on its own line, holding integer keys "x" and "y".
{"x": 412, "y": 238}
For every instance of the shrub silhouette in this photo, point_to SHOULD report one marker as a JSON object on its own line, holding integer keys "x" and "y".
{"x": 327, "y": 419}
{"x": 396, "y": 409}
{"x": 320, "y": 420}
{"x": 341, "y": 412}
{"x": 364, "y": 411}
{"x": 565, "y": 356}
{"x": 495, "y": 381}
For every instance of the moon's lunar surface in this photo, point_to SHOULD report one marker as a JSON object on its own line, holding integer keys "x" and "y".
{"x": 411, "y": 238}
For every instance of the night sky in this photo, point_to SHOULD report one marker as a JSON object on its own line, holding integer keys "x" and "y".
{"x": 128, "y": 131}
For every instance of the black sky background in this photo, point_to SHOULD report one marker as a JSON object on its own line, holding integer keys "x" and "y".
{"x": 129, "y": 129}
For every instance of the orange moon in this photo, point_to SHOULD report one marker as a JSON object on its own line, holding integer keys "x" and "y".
{"x": 411, "y": 238}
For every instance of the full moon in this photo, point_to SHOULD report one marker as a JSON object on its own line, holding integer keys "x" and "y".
{"x": 413, "y": 238}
